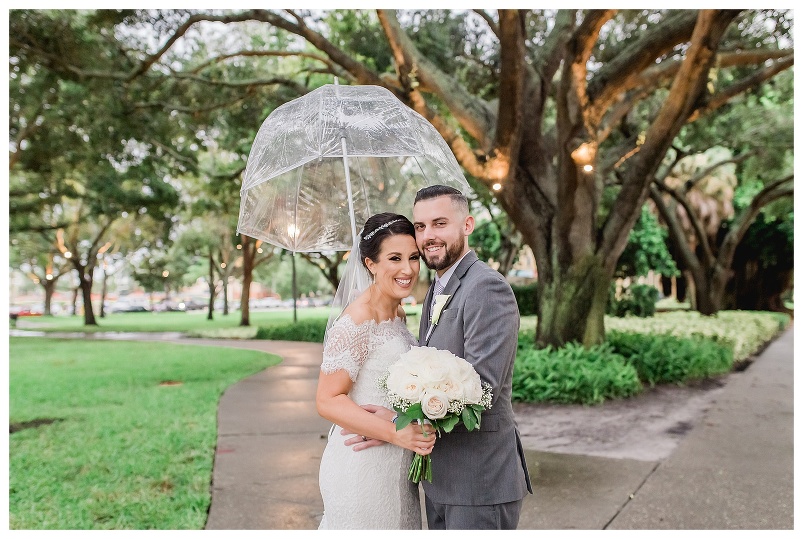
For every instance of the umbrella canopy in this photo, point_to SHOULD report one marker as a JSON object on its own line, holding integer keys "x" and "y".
{"x": 322, "y": 164}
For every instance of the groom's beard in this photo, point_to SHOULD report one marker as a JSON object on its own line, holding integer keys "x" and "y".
{"x": 452, "y": 255}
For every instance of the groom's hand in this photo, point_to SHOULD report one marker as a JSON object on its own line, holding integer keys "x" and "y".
{"x": 358, "y": 442}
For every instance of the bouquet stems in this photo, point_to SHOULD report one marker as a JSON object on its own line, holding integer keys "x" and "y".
{"x": 420, "y": 468}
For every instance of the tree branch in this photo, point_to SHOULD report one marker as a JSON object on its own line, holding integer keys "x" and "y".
{"x": 472, "y": 113}
{"x": 488, "y": 20}
{"x": 687, "y": 88}
{"x": 676, "y": 233}
{"x": 742, "y": 222}
{"x": 507, "y": 141}
{"x": 697, "y": 226}
{"x": 300, "y": 89}
{"x": 617, "y": 75}
{"x": 172, "y": 152}
{"x": 694, "y": 180}
{"x": 752, "y": 81}
{"x": 547, "y": 62}
{"x": 246, "y": 53}
{"x": 189, "y": 110}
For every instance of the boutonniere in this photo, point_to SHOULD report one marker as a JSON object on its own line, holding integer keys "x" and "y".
{"x": 440, "y": 302}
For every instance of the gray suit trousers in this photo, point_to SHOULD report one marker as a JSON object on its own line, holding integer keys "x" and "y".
{"x": 502, "y": 516}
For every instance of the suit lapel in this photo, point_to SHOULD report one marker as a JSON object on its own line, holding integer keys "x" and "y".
{"x": 451, "y": 288}
{"x": 423, "y": 325}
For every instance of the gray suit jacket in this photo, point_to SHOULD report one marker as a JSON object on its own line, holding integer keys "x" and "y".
{"x": 480, "y": 323}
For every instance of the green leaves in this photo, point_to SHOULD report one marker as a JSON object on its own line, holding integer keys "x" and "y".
{"x": 407, "y": 416}
{"x": 448, "y": 423}
{"x": 469, "y": 419}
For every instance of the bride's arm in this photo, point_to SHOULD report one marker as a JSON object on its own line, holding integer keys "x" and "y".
{"x": 334, "y": 404}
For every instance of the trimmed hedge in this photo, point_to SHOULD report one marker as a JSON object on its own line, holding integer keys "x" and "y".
{"x": 303, "y": 330}
{"x": 743, "y": 332}
{"x": 669, "y": 348}
{"x": 527, "y": 298}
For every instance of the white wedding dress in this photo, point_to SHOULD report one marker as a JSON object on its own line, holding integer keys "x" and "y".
{"x": 369, "y": 489}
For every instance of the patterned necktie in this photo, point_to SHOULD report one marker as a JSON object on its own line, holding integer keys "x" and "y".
{"x": 438, "y": 289}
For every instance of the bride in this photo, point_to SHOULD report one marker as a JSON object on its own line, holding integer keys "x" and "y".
{"x": 370, "y": 489}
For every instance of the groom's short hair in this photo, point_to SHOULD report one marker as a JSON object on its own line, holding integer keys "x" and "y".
{"x": 435, "y": 191}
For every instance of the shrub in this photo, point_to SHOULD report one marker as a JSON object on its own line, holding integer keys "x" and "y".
{"x": 637, "y": 300}
{"x": 303, "y": 330}
{"x": 744, "y": 332}
{"x": 526, "y": 297}
{"x": 661, "y": 359}
{"x": 572, "y": 375}
{"x": 249, "y": 332}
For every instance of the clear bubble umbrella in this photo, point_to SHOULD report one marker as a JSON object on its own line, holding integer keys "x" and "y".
{"x": 322, "y": 164}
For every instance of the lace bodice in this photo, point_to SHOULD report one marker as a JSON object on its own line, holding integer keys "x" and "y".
{"x": 365, "y": 351}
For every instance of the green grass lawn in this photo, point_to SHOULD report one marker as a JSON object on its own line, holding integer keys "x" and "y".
{"x": 115, "y": 435}
{"x": 193, "y": 323}
{"x": 165, "y": 321}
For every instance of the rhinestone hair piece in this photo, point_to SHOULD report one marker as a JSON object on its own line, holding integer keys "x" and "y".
{"x": 380, "y": 227}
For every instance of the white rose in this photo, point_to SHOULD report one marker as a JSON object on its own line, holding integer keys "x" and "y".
{"x": 451, "y": 377}
{"x": 404, "y": 382}
{"x": 434, "y": 403}
{"x": 472, "y": 391}
{"x": 470, "y": 381}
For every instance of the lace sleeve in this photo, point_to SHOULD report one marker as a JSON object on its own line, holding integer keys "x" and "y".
{"x": 346, "y": 348}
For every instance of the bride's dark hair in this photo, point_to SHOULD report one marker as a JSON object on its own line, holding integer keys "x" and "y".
{"x": 377, "y": 228}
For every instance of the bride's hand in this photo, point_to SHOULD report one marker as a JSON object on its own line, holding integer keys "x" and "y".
{"x": 415, "y": 437}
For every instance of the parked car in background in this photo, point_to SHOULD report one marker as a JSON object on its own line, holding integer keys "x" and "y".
{"x": 265, "y": 303}
{"x": 127, "y": 307}
{"x": 17, "y": 311}
{"x": 194, "y": 304}
{"x": 169, "y": 305}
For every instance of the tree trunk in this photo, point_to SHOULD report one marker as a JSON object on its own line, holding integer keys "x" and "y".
{"x": 74, "y": 301}
{"x": 709, "y": 289}
{"x": 86, "y": 294}
{"x": 225, "y": 295}
{"x": 571, "y": 307}
{"x": 249, "y": 252}
{"x": 211, "y": 281}
{"x": 50, "y": 287}
{"x": 103, "y": 290}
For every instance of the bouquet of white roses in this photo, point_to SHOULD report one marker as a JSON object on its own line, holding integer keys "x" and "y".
{"x": 427, "y": 384}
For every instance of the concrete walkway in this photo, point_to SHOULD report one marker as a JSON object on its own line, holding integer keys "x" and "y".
{"x": 734, "y": 470}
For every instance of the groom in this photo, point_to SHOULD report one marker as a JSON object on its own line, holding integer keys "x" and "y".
{"x": 479, "y": 478}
